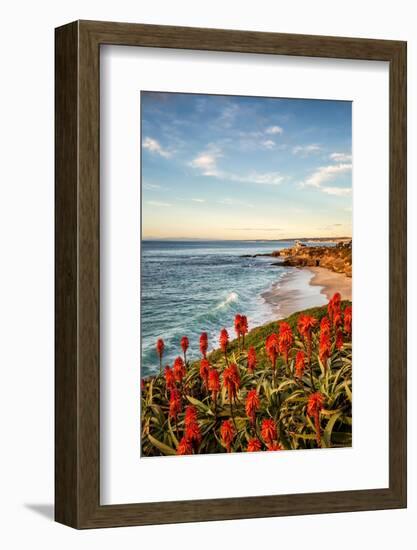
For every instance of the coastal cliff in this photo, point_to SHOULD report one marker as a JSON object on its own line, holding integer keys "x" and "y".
{"x": 336, "y": 258}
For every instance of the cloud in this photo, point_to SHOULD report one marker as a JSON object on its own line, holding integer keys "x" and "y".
{"x": 206, "y": 164}
{"x": 274, "y": 130}
{"x": 340, "y": 157}
{"x": 267, "y": 178}
{"x": 337, "y": 191}
{"x": 198, "y": 200}
{"x": 228, "y": 115}
{"x": 158, "y": 203}
{"x": 306, "y": 149}
{"x": 268, "y": 144}
{"x": 154, "y": 146}
{"x": 151, "y": 186}
{"x": 327, "y": 173}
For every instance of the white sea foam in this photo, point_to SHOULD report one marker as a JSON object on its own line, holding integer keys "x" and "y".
{"x": 231, "y": 298}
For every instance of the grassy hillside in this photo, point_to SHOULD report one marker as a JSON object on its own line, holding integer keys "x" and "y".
{"x": 298, "y": 395}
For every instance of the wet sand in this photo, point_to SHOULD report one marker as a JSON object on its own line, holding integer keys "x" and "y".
{"x": 305, "y": 287}
{"x": 331, "y": 282}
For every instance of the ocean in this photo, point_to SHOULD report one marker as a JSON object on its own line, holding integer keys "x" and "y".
{"x": 193, "y": 286}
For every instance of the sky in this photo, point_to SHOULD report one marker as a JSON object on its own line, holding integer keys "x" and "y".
{"x": 232, "y": 167}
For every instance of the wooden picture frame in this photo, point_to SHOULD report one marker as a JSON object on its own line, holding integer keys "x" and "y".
{"x": 77, "y": 406}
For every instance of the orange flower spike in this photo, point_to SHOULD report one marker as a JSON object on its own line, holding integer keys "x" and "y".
{"x": 325, "y": 325}
{"x": 252, "y": 405}
{"x": 274, "y": 447}
{"x": 268, "y": 431}
{"x": 190, "y": 415}
{"x": 272, "y": 348}
{"x": 169, "y": 378}
{"x": 160, "y": 351}
{"x": 227, "y": 434}
{"x": 179, "y": 369}
{"x": 254, "y": 445}
{"x": 305, "y": 326}
{"x": 285, "y": 339}
{"x": 244, "y": 325}
{"x": 238, "y": 325}
{"x": 184, "y": 447}
{"x": 214, "y": 383}
{"x": 243, "y": 328}
{"x": 339, "y": 340}
{"x": 204, "y": 371}
{"x": 300, "y": 364}
{"x": 174, "y": 404}
{"x": 224, "y": 340}
{"x": 314, "y": 405}
{"x": 334, "y": 305}
{"x": 252, "y": 360}
{"x": 231, "y": 381}
{"x": 193, "y": 433}
{"x": 184, "y": 345}
{"x": 203, "y": 344}
{"x": 348, "y": 320}
{"x": 325, "y": 341}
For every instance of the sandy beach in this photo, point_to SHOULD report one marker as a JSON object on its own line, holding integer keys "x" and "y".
{"x": 306, "y": 287}
{"x": 331, "y": 282}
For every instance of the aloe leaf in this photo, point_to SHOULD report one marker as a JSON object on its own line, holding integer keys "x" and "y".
{"x": 165, "y": 449}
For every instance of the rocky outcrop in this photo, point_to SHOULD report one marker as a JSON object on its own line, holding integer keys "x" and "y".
{"x": 336, "y": 258}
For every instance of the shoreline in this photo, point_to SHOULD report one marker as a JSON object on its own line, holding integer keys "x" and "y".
{"x": 331, "y": 282}
{"x": 305, "y": 287}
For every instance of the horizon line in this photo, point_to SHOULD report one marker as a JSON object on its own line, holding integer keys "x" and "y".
{"x": 327, "y": 238}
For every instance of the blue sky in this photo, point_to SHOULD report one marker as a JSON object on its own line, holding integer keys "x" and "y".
{"x": 231, "y": 167}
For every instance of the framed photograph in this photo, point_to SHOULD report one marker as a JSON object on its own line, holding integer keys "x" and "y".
{"x": 230, "y": 274}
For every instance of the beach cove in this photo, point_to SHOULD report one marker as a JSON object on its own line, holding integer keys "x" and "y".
{"x": 215, "y": 280}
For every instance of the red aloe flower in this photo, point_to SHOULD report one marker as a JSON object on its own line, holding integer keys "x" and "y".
{"x": 243, "y": 328}
{"x": 334, "y": 305}
{"x": 314, "y": 406}
{"x": 285, "y": 339}
{"x": 174, "y": 404}
{"x": 190, "y": 415}
{"x": 160, "y": 351}
{"x": 227, "y": 434}
{"x": 184, "y": 345}
{"x": 169, "y": 378}
{"x": 348, "y": 319}
{"x": 251, "y": 359}
{"x": 224, "y": 340}
{"x": 179, "y": 369}
{"x": 300, "y": 364}
{"x": 339, "y": 339}
{"x": 325, "y": 341}
{"x": 231, "y": 381}
{"x": 272, "y": 348}
{"x": 252, "y": 405}
{"x": 337, "y": 319}
{"x": 214, "y": 383}
{"x": 204, "y": 371}
{"x": 305, "y": 326}
{"x": 269, "y": 431}
{"x": 238, "y": 325}
{"x": 254, "y": 445}
{"x": 325, "y": 325}
{"x": 203, "y": 344}
{"x": 274, "y": 447}
{"x": 193, "y": 433}
{"x": 184, "y": 447}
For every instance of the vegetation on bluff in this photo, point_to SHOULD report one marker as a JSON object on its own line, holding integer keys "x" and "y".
{"x": 284, "y": 385}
